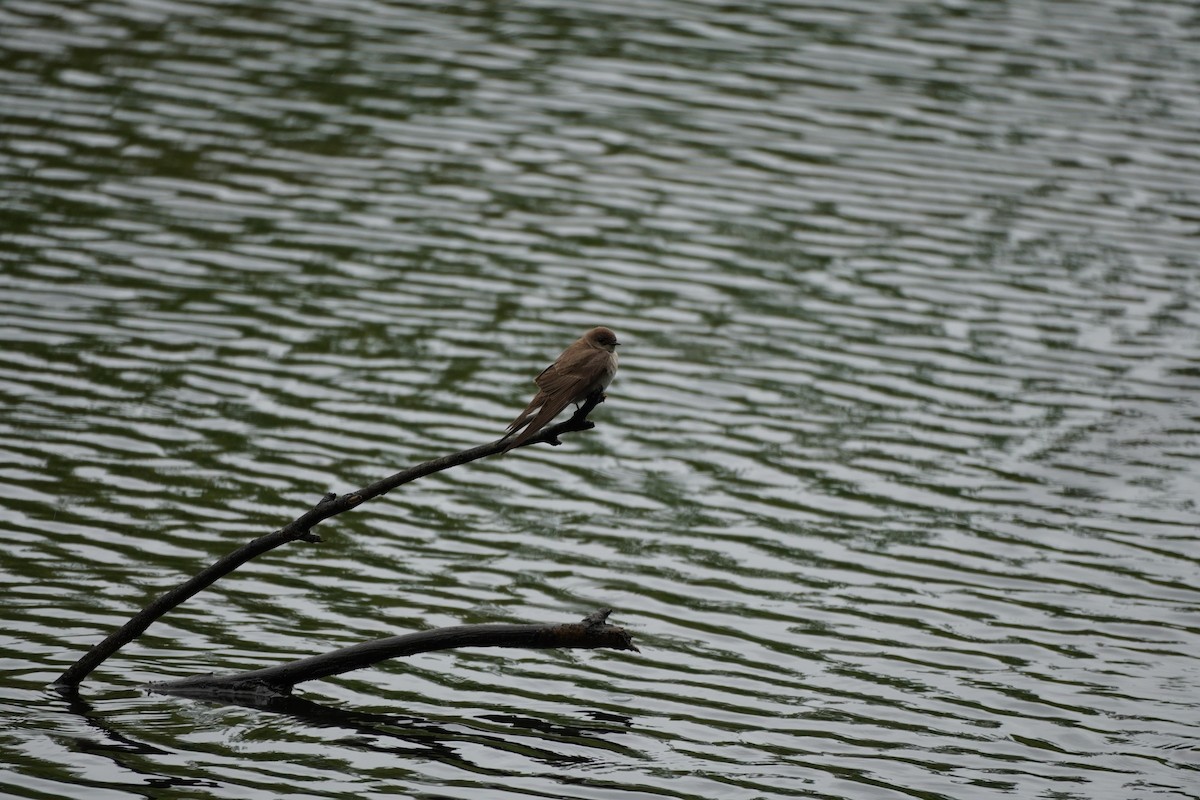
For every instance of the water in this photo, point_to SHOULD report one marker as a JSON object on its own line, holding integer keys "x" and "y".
{"x": 896, "y": 488}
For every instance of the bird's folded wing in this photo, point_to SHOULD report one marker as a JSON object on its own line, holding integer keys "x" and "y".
{"x": 559, "y": 388}
{"x": 572, "y": 379}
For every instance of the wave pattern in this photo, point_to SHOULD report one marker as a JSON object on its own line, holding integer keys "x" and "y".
{"x": 896, "y": 487}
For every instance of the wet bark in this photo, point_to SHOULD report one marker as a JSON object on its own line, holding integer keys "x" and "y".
{"x": 261, "y": 684}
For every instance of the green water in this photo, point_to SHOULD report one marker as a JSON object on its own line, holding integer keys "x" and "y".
{"x": 895, "y": 489}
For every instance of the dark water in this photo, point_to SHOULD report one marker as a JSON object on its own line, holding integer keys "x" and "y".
{"x": 896, "y": 488}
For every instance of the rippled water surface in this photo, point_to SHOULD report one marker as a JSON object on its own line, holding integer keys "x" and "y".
{"x": 896, "y": 489}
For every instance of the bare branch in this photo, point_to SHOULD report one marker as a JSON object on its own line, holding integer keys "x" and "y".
{"x": 593, "y": 632}
{"x": 300, "y": 528}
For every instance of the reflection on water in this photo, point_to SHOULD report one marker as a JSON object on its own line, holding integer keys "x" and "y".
{"x": 895, "y": 489}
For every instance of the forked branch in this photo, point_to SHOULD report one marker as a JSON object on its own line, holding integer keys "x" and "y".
{"x": 301, "y": 528}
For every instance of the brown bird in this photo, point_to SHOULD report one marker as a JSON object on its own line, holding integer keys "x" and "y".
{"x": 587, "y": 366}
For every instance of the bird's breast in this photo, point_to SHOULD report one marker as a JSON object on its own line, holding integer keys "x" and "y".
{"x": 609, "y": 372}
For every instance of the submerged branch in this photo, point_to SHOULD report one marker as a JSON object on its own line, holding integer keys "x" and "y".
{"x": 301, "y": 528}
{"x": 593, "y": 632}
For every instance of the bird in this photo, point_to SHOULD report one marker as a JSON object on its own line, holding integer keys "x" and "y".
{"x": 585, "y": 367}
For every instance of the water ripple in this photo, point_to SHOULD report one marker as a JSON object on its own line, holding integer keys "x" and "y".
{"x": 895, "y": 488}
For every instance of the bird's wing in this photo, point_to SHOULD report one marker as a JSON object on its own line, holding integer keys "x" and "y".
{"x": 523, "y": 418}
{"x": 574, "y": 380}
{"x": 558, "y": 389}
{"x": 538, "y": 399}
